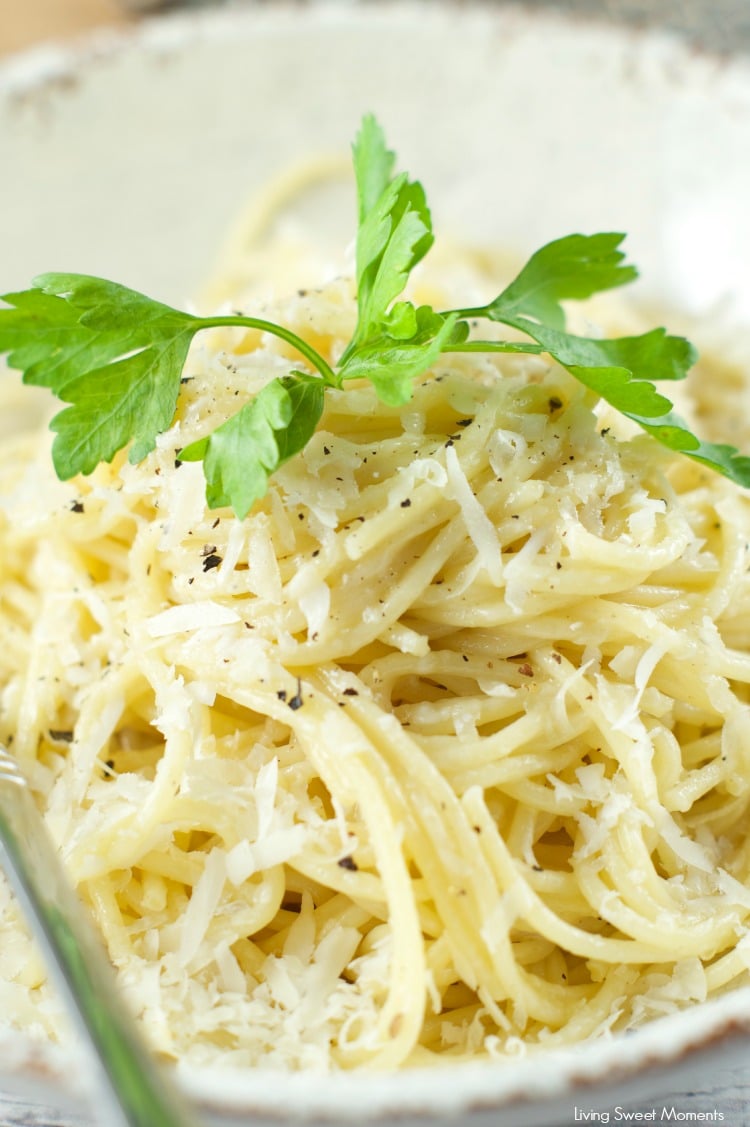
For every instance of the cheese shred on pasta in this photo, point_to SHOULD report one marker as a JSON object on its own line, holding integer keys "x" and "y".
{"x": 442, "y": 752}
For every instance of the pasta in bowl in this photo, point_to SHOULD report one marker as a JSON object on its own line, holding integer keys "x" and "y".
{"x": 431, "y": 751}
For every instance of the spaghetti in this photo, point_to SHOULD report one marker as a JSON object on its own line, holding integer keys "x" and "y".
{"x": 441, "y": 752}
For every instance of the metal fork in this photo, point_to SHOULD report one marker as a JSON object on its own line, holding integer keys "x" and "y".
{"x": 136, "y": 1093}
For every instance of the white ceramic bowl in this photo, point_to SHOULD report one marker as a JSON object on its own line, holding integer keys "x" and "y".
{"x": 129, "y": 158}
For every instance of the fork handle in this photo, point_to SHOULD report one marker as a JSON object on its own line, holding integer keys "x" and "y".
{"x": 137, "y": 1094}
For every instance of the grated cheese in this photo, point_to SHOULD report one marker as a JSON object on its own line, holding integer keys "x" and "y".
{"x": 439, "y": 754}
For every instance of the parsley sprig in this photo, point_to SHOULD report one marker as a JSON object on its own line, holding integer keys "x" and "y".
{"x": 116, "y": 357}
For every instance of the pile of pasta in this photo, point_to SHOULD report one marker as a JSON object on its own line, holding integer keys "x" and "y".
{"x": 442, "y": 752}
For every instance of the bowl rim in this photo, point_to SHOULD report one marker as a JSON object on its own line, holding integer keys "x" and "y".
{"x": 599, "y": 1071}
{"x": 56, "y": 63}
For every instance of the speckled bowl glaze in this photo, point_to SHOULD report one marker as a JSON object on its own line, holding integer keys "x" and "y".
{"x": 129, "y": 156}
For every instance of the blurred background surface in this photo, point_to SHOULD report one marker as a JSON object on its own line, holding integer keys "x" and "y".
{"x": 24, "y": 24}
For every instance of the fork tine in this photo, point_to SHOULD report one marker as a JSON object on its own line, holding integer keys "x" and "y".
{"x": 9, "y": 768}
{"x": 137, "y": 1093}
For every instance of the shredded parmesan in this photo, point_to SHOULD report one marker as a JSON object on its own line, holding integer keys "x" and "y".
{"x": 442, "y": 752}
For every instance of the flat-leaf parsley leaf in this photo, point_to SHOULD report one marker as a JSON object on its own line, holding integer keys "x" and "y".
{"x": 115, "y": 356}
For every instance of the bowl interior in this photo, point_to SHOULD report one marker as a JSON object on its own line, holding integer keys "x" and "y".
{"x": 131, "y": 158}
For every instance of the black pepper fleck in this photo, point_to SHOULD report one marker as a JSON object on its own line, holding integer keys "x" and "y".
{"x": 61, "y": 735}
{"x": 296, "y": 701}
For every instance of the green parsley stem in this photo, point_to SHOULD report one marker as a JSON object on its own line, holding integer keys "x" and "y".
{"x": 233, "y": 321}
{"x": 494, "y": 346}
{"x": 477, "y": 312}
